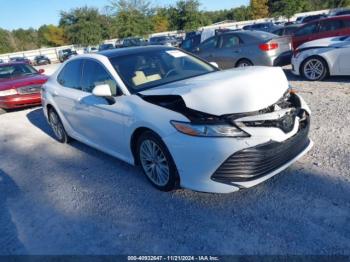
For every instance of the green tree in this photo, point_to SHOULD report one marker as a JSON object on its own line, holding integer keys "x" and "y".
{"x": 187, "y": 15}
{"x": 25, "y": 39}
{"x": 241, "y": 13}
{"x": 287, "y": 8}
{"x": 259, "y": 8}
{"x": 50, "y": 35}
{"x": 83, "y": 26}
{"x": 5, "y": 42}
{"x": 160, "y": 23}
{"x": 131, "y": 17}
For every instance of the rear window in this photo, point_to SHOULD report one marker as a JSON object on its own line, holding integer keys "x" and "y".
{"x": 306, "y": 30}
{"x": 330, "y": 25}
{"x": 12, "y": 71}
{"x": 262, "y": 36}
{"x": 70, "y": 75}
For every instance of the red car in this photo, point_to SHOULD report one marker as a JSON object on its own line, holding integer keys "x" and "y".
{"x": 20, "y": 85}
{"x": 327, "y": 27}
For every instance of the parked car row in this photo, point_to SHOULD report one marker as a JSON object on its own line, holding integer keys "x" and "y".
{"x": 237, "y": 48}
{"x": 245, "y": 48}
{"x": 38, "y": 60}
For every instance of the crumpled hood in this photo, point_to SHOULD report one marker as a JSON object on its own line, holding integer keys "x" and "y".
{"x": 239, "y": 90}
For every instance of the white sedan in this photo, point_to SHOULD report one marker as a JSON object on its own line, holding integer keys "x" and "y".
{"x": 185, "y": 122}
{"x": 324, "y": 57}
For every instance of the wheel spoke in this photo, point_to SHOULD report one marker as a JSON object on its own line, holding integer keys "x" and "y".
{"x": 154, "y": 162}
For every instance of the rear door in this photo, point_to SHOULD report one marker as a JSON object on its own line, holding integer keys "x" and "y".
{"x": 70, "y": 92}
{"x": 207, "y": 50}
{"x": 305, "y": 34}
{"x": 228, "y": 51}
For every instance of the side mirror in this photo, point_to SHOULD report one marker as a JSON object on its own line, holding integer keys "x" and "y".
{"x": 41, "y": 71}
{"x": 214, "y": 64}
{"x": 102, "y": 90}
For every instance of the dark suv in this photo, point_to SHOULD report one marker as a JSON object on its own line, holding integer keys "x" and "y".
{"x": 327, "y": 27}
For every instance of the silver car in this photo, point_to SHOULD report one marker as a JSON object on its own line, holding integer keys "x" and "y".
{"x": 246, "y": 48}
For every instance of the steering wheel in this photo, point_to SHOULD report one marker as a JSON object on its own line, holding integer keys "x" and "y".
{"x": 170, "y": 72}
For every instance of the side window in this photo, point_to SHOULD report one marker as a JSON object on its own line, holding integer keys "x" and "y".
{"x": 70, "y": 75}
{"x": 278, "y": 32}
{"x": 229, "y": 41}
{"x": 95, "y": 74}
{"x": 330, "y": 25}
{"x": 307, "y": 30}
{"x": 210, "y": 43}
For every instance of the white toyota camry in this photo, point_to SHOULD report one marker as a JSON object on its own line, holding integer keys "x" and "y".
{"x": 185, "y": 122}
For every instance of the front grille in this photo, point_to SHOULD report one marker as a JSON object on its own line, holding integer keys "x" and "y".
{"x": 32, "y": 89}
{"x": 255, "y": 162}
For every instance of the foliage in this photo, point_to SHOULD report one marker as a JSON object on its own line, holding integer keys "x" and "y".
{"x": 84, "y": 26}
{"x": 259, "y": 9}
{"x": 5, "y": 43}
{"x": 122, "y": 18}
{"x": 25, "y": 39}
{"x": 132, "y": 17}
{"x": 241, "y": 13}
{"x": 187, "y": 16}
{"x": 160, "y": 23}
{"x": 286, "y": 8}
{"x": 50, "y": 35}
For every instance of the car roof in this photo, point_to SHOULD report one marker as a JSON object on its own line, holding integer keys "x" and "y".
{"x": 253, "y": 33}
{"x": 342, "y": 17}
{"x": 131, "y": 50}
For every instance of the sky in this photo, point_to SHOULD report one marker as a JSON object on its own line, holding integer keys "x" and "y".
{"x": 34, "y": 13}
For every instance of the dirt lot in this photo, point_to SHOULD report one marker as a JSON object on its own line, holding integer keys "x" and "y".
{"x": 72, "y": 199}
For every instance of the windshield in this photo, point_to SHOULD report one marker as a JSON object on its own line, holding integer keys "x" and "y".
{"x": 151, "y": 68}
{"x": 12, "y": 71}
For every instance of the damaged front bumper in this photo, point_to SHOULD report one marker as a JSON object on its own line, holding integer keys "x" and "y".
{"x": 224, "y": 165}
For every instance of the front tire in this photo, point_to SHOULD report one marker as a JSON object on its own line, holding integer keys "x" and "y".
{"x": 314, "y": 69}
{"x": 156, "y": 162}
{"x": 57, "y": 127}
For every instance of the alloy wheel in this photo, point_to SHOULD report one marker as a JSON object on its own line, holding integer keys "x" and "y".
{"x": 56, "y": 126}
{"x": 313, "y": 69}
{"x": 154, "y": 162}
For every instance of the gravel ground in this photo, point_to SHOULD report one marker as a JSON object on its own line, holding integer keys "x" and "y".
{"x": 72, "y": 199}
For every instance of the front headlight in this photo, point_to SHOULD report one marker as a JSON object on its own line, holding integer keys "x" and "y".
{"x": 8, "y": 92}
{"x": 220, "y": 130}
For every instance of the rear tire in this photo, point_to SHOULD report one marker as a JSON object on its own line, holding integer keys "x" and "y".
{"x": 244, "y": 63}
{"x": 314, "y": 68}
{"x": 156, "y": 162}
{"x": 57, "y": 127}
